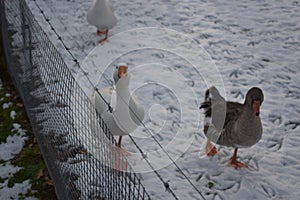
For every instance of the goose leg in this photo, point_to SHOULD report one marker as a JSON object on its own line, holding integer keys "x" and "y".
{"x": 100, "y": 32}
{"x": 234, "y": 163}
{"x": 105, "y": 38}
{"x": 122, "y": 151}
{"x": 210, "y": 149}
{"x": 119, "y": 142}
{"x": 120, "y": 164}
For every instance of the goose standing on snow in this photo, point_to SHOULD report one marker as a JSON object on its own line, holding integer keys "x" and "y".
{"x": 232, "y": 124}
{"x": 127, "y": 113}
{"x": 101, "y": 14}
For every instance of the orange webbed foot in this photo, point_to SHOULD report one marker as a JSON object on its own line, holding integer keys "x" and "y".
{"x": 210, "y": 149}
{"x": 102, "y": 41}
{"x": 123, "y": 152}
{"x": 236, "y": 164}
{"x": 120, "y": 163}
{"x": 105, "y": 32}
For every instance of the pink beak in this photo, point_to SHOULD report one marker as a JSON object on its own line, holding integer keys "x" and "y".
{"x": 122, "y": 74}
{"x": 122, "y": 71}
{"x": 256, "y": 107}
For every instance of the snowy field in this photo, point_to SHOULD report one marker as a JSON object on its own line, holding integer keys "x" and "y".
{"x": 236, "y": 45}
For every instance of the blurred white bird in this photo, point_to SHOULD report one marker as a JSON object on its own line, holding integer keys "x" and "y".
{"x": 127, "y": 112}
{"x": 101, "y": 14}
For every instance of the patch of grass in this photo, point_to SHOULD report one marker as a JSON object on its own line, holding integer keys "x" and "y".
{"x": 30, "y": 158}
{"x": 6, "y": 122}
{"x": 2, "y": 180}
{"x": 29, "y": 169}
{"x": 34, "y": 169}
{"x": 210, "y": 184}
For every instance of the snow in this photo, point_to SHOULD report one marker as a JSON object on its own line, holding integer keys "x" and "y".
{"x": 7, "y": 169}
{"x": 8, "y": 150}
{"x": 6, "y": 105}
{"x": 235, "y": 45}
{"x": 11, "y": 147}
{"x": 14, "y": 143}
{"x": 19, "y": 189}
{"x": 13, "y": 114}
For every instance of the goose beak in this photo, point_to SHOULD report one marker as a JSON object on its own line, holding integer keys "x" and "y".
{"x": 256, "y": 107}
{"x": 122, "y": 70}
{"x": 122, "y": 75}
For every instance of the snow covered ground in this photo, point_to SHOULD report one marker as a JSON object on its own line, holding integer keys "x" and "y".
{"x": 8, "y": 150}
{"x": 251, "y": 43}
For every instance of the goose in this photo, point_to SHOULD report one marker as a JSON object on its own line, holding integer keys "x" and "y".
{"x": 232, "y": 124}
{"x": 127, "y": 113}
{"x": 101, "y": 14}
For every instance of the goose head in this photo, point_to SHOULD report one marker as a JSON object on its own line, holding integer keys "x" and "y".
{"x": 254, "y": 99}
{"x": 121, "y": 71}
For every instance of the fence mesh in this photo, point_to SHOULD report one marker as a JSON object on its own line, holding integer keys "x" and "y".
{"x": 76, "y": 144}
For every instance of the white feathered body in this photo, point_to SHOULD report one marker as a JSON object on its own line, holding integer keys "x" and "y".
{"x": 101, "y": 15}
{"x": 124, "y": 119}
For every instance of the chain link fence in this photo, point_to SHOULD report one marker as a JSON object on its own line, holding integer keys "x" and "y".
{"x": 77, "y": 146}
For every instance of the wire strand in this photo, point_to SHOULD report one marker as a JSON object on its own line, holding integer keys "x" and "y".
{"x": 71, "y": 54}
{"x": 165, "y": 151}
{"x": 165, "y": 183}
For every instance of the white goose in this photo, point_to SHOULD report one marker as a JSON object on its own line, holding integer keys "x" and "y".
{"x": 127, "y": 112}
{"x": 101, "y": 14}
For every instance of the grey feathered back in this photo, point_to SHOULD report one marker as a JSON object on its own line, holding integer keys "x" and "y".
{"x": 215, "y": 112}
{"x": 231, "y": 123}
